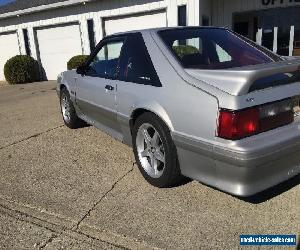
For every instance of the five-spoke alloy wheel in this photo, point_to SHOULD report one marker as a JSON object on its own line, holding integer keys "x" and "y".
{"x": 65, "y": 107}
{"x": 150, "y": 150}
{"x": 155, "y": 151}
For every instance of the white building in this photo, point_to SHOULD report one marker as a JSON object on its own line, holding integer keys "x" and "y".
{"x": 52, "y": 31}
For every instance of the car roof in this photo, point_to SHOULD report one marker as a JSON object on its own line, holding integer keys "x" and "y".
{"x": 165, "y": 28}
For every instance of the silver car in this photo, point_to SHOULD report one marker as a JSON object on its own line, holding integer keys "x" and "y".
{"x": 199, "y": 102}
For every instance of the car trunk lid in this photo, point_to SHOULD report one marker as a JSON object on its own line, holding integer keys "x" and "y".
{"x": 242, "y": 80}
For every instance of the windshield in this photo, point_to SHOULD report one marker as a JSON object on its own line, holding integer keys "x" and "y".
{"x": 214, "y": 48}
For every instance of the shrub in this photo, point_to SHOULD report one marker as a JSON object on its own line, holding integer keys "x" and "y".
{"x": 21, "y": 69}
{"x": 183, "y": 50}
{"x": 76, "y": 61}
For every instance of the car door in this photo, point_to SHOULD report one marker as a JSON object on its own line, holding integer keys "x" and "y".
{"x": 96, "y": 87}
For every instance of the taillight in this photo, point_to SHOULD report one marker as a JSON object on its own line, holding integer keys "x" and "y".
{"x": 236, "y": 125}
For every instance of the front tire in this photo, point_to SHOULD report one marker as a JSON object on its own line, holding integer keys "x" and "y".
{"x": 68, "y": 112}
{"x": 155, "y": 151}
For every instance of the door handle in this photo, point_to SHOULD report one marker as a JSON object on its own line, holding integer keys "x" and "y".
{"x": 109, "y": 87}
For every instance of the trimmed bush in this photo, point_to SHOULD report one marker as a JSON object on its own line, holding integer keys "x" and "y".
{"x": 76, "y": 61}
{"x": 183, "y": 50}
{"x": 21, "y": 69}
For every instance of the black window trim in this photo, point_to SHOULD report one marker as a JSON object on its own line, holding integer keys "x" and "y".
{"x": 152, "y": 83}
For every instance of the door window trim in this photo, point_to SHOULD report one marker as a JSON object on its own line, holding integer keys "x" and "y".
{"x": 117, "y": 38}
{"x": 152, "y": 83}
{"x": 99, "y": 46}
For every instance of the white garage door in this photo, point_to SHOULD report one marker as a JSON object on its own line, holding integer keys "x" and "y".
{"x": 135, "y": 22}
{"x": 56, "y": 46}
{"x": 9, "y": 47}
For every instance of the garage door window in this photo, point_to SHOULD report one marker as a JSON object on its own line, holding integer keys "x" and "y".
{"x": 182, "y": 15}
{"x": 91, "y": 34}
{"x": 26, "y": 41}
{"x": 106, "y": 60}
{"x": 136, "y": 65}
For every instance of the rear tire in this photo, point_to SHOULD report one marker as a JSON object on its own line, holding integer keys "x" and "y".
{"x": 68, "y": 112}
{"x": 155, "y": 151}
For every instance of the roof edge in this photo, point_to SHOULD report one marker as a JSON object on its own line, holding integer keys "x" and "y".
{"x": 42, "y": 8}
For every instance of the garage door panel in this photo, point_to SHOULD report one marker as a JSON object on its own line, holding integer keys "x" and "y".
{"x": 56, "y": 46}
{"x": 9, "y": 47}
{"x": 135, "y": 22}
{"x": 43, "y": 35}
{"x": 61, "y": 46}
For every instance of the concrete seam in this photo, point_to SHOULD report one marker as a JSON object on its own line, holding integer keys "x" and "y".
{"x": 56, "y": 233}
{"x": 30, "y": 137}
{"x": 28, "y": 216}
{"x": 59, "y": 230}
{"x": 102, "y": 197}
{"x": 54, "y": 236}
{"x": 93, "y": 238}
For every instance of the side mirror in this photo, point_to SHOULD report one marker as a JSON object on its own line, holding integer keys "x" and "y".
{"x": 81, "y": 70}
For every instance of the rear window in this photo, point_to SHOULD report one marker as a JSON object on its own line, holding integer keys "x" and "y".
{"x": 213, "y": 48}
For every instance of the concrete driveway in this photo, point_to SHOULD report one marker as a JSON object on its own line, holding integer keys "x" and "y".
{"x": 81, "y": 189}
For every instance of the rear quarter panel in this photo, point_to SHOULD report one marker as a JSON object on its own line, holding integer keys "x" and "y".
{"x": 184, "y": 108}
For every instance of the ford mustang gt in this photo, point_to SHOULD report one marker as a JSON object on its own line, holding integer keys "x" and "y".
{"x": 200, "y": 102}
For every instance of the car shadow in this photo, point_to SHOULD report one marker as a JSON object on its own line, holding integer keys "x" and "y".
{"x": 273, "y": 191}
{"x": 184, "y": 181}
{"x": 85, "y": 125}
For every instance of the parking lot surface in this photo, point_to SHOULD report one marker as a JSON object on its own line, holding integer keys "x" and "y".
{"x": 81, "y": 189}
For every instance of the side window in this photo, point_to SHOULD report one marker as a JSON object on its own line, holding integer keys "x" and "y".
{"x": 222, "y": 54}
{"x": 105, "y": 62}
{"x": 187, "y": 47}
{"x": 190, "y": 51}
{"x": 136, "y": 65}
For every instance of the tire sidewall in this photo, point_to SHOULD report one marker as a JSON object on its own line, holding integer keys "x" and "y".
{"x": 72, "y": 123}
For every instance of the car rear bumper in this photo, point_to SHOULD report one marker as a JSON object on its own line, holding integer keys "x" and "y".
{"x": 240, "y": 169}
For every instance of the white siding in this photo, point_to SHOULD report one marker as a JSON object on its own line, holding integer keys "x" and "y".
{"x": 134, "y": 22}
{"x": 97, "y": 10}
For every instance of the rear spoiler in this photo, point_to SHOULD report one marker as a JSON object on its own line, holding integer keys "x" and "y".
{"x": 240, "y": 81}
